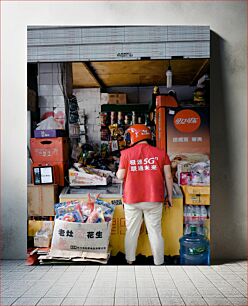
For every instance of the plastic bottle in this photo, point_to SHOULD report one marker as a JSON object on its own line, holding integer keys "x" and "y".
{"x": 185, "y": 213}
{"x": 190, "y": 213}
{"x": 187, "y": 229}
{"x": 193, "y": 214}
{"x": 204, "y": 213}
{"x": 200, "y": 230}
{"x": 133, "y": 118}
{"x": 197, "y": 214}
{"x": 208, "y": 209}
{"x": 169, "y": 77}
{"x": 194, "y": 249}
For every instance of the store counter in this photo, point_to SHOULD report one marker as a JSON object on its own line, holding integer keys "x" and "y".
{"x": 172, "y": 218}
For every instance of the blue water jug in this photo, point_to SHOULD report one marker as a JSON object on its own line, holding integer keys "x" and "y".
{"x": 194, "y": 249}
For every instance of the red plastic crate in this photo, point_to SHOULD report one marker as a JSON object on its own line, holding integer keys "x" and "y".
{"x": 49, "y": 149}
{"x": 60, "y": 170}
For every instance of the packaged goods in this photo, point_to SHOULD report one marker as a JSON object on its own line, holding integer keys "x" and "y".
{"x": 200, "y": 173}
{"x": 90, "y": 203}
{"x": 197, "y": 195}
{"x": 49, "y": 124}
{"x": 86, "y": 176}
{"x": 93, "y": 211}
{"x": 43, "y": 236}
{"x": 94, "y": 217}
{"x": 69, "y": 211}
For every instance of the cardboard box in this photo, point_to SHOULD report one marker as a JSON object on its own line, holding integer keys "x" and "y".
{"x": 41, "y": 199}
{"x": 117, "y": 99}
{"x": 36, "y": 225}
{"x": 196, "y": 195}
{"x": 113, "y": 98}
{"x": 42, "y": 241}
{"x": 57, "y": 256}
{"x": 81, "y": 237}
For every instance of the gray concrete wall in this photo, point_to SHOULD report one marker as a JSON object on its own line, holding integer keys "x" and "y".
{"x": 227, "y": 20}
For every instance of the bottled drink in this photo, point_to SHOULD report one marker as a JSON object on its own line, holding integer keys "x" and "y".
{"x": 169, "y": 77}
{"x": 197, "y": 214}
{"x": 120, "y": 119}
{"x": 187, "y": 229}
{"x": 147, "y": 121}
{"x": 185, "y": 213}
{"x": 126, "y": 121}
{"x": 112, "y": 118}
{"x": 204, "y": 213}
{"x": 133, "y": 118}
{"x": 190, "y": 213}
{"x": 194, "y": 249}
{"x": 193, "y": 213}
{"x": 208, "y": 211}
{"x": 200, "y": 230}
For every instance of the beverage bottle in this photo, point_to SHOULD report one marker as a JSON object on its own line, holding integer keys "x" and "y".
{"x": 194, "y": 248}
{"x": 185, "y": 213}
{"x": 197, "y": 214}
{"x": 193, "y": 214}
{"x": 126, "y": 121}
{"x": 133, "y": 117}
{"x": 208, "y": 211}
{"x": 200, "y": 230}
{"x": 204, "y": 213}
{"x": 169, "y": 77}
{"x": 187, "y": 229}
{"x": 190, "y": 213}
{"x": 112, "y": 118}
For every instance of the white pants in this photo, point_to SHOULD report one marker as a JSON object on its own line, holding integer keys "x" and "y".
{"x": 134, "y": 217}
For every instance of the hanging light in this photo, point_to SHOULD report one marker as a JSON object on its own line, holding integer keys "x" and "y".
{"x": 169, "y": 76}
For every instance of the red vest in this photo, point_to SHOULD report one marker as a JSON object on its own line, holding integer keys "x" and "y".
{"x": 144, "y": 180}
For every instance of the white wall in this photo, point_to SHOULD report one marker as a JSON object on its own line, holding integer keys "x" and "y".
{"x": 89, "y": 100}
{"x": 227, "y": 20}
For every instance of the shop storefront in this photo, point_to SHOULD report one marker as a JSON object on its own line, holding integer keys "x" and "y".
{"x": 84, "y": 91}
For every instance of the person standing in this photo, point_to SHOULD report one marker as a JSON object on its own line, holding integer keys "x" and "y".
{"x": 145, "y": 170}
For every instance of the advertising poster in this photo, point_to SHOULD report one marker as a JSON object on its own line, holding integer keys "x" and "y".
{"x": 188, "y": 130}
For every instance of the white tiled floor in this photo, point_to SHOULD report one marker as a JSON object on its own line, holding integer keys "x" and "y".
{"x": 90, "y": 285}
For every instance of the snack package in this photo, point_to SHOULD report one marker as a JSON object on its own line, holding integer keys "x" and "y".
{"x": 69, "y": 211}
{"x": 93, "y": 217}
{"x": 90, "y": 203}
{"x": 68, "y": 217}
